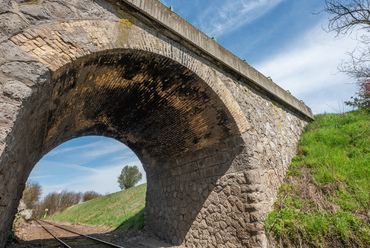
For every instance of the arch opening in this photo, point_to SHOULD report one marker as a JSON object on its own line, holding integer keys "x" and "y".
{"x": 174, "y": 122}
{"x": 70, "y": 174}
{"x": 89, "y": 163}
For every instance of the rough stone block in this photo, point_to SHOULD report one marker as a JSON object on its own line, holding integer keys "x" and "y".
{"x": 17, "y": 90}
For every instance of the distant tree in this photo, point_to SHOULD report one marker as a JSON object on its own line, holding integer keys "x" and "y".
{"x": 31, "y": 194}
{"x": 130, "y": 175}
{"x": 57, "y": 202}
{"x": 67, "y": 199}
{"x": 90, "y": 195}
{"x": 50, "y": 202}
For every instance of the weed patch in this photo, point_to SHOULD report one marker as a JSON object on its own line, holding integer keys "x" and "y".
{"x": 325, "y": 199}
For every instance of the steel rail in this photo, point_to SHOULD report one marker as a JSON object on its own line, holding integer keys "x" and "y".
{"x": 98, "y": 240}
{"x": 55, "y": 237}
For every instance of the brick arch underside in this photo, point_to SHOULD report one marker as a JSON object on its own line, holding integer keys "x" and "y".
{"x": 156, "y": 106}
{"x": 175, "y": 123}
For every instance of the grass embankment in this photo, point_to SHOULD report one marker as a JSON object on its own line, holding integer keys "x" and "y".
{"x": 325, "y": 200}
{"x": 124, "y": 208}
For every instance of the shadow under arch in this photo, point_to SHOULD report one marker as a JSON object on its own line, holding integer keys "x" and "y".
{"x": 129, "y": 95}
{"x": 169, "y": 117}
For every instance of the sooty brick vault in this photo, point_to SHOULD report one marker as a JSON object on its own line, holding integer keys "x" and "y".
{"x": 214, "y": 135}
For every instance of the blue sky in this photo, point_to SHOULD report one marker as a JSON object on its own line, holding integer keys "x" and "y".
{"x": 83, "y": 164}
{"x": 280, "y": 38}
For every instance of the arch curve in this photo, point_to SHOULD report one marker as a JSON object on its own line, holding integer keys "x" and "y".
{"x": 155, "y": 105}
{"x": 60, "y": 44}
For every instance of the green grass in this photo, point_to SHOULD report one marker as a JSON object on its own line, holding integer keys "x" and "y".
{"x": 124, "y": 208}
{"x": 325, "y": 200}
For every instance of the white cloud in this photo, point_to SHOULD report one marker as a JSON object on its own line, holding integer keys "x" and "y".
{"x": 102, "y": 151}
{"x": 78, "y": 167}
{"x": 48, "y": 164}
{"x": 73, "y": 148}
{"x": 226, "y": 16}
{"x": 308, "y": 68}
{"x": 127, "y": 155}
{"x": 91, "y": 151}
{"x": 39, "y": 177}
{"x": 57, "y": 188}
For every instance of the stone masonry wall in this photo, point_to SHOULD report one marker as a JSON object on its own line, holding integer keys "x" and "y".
{"x": 231, "y": 196}
{"x": 214, "y": 191}
{"x": 274, "y": 134}
{"x": 211, "y": 198}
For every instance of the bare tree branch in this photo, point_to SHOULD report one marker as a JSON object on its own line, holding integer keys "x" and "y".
{"x": 348, "y": 15}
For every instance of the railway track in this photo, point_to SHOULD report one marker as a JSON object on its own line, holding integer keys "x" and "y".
{"x": 52, "y": 229}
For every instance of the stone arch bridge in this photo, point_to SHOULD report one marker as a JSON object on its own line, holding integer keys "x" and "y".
{"x": 214, "y": 135}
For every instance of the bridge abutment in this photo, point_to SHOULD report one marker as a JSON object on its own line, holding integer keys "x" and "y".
{"x": 213, "y": 197}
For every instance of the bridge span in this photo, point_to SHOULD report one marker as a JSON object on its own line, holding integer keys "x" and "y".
{"x": 214, "y": 135}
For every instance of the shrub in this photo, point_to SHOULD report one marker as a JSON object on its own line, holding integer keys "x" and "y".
{"x": 90, "y": 195}
{"x": 362, "y": 98}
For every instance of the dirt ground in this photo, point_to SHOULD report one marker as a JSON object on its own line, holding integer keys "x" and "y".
{"x": 30, "y": 234}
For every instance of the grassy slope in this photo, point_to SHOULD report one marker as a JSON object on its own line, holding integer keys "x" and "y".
{"x": 111, "y": 210}
{"x": 325, "y": 200}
